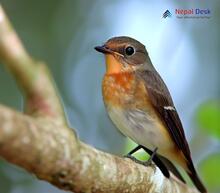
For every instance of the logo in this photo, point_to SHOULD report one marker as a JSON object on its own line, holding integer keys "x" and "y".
{"x": 167, "y": 14}
{"x": 192, "y": 13}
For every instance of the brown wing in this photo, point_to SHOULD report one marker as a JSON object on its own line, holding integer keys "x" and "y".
{"x": 163, "y": 104}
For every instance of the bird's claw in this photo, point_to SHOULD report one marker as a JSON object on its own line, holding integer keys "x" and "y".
{"x": 144, "y": 163}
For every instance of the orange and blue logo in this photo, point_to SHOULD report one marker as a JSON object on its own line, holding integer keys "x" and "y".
{"x": 188, "y": 13}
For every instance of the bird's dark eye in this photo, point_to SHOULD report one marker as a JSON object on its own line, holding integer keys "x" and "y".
{"x": 129, "y": 50}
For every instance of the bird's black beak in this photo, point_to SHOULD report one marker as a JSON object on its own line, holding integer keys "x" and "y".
{"x": 103, "y": 49}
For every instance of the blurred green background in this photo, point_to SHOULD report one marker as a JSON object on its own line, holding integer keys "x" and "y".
{"x": 186, "y": 52}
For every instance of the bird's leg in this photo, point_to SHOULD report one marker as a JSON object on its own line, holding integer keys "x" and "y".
{"x": 160, "y": 163}
{"x": 129, "y": 155}
{"x": 133, "y": 150}
{"x": 153, "y": 156}
{"x": 145, "y": 163}
{"x": 149, "y": 161}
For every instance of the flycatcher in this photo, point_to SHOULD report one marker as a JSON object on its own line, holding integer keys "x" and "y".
{"x": 139, "y": 104}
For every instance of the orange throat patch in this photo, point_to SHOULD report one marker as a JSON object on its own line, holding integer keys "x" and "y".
{"x": 112, "y": 65}
{"x": 117, "y": 87}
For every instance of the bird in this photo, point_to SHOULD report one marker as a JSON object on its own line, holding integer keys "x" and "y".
{"x": 140, "y": 105}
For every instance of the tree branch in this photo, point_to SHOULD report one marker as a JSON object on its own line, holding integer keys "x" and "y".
{"x": 32, "y": 76}
{"x": 42, "y": 143}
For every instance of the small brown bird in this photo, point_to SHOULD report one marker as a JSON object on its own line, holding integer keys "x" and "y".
{"x": 139, "y": 104}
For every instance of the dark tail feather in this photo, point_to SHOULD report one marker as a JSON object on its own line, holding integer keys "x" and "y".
{"x": 171, "y": 167}
{"x": 165, "y": 165}
{"x": 195, "y": 178}
{"x": 158, "y": 162}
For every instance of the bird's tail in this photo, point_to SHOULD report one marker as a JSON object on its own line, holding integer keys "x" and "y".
{"x": 195, "y": 178}
{"x": 171, "y": 167}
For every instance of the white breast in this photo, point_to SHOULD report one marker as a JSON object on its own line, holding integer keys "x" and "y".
{"x": 140, "y": 126}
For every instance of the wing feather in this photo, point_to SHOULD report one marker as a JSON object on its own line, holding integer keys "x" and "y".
{"x": 160, "y": 99}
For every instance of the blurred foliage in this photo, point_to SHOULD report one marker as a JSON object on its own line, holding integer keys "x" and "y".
{"x": 210, "y": 170}
{"x": 208, "y": 117}
{"x": 5, "y": 184}
{"x": 140, "y": 154}
{"x": 13, "y": 177}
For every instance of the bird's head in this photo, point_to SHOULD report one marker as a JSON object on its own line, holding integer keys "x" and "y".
{"x": 124, "y": 54}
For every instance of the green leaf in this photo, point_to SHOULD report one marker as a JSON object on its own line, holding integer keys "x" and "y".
{"x": 208, "y": 117}
{"x": 210, "y": 171}
{"x": 140, "y": 155}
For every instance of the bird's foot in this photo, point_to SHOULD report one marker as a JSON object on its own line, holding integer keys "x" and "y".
{"x": 149, "y": 162}
{"x": 144, "y": 163}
